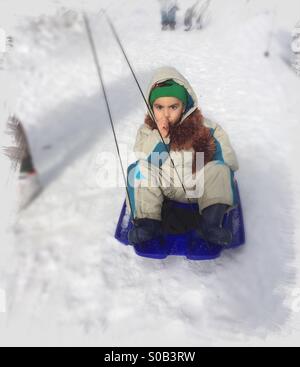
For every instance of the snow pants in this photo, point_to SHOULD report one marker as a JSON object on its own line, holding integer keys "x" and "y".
{"x": 146, "y": 200}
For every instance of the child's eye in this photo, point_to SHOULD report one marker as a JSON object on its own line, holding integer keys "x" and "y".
{"x": 174, "y": 107}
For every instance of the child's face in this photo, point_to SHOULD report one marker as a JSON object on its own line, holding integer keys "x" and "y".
{"x": 167, "y": 111}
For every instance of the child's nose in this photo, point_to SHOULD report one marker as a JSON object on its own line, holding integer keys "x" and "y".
{"x": 167, "y": 113}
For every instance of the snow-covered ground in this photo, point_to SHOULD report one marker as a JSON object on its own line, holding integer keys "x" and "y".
{"x": 67, "y": 280}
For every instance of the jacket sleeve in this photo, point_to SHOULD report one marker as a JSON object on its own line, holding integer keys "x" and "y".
{"x": 227, "y": 151}
{"x": 147, "y": 142}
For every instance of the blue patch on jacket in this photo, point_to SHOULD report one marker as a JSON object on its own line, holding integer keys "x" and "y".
{"x": 159, "y": 151}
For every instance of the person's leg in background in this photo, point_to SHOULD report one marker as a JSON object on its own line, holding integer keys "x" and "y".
{"x": 20, "y": 154}
{"x": 164, "y": 20}
{"x": 172, "y": 17}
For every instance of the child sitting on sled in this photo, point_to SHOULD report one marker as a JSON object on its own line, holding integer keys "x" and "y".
{"x": 179, "y": 128}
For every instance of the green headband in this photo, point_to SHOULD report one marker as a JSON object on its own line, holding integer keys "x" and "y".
{"x": 169, "y": 89}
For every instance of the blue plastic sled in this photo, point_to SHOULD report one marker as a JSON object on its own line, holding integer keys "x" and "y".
{"x": 185, "y": 244}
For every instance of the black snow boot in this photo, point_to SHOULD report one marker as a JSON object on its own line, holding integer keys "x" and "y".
{"x": 145, "y": 230}
{"x": 211, "y": 225}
